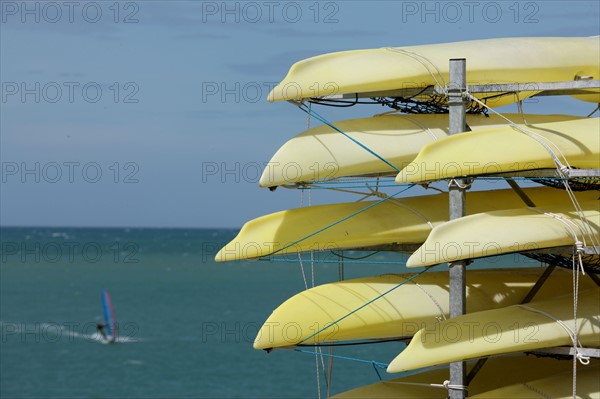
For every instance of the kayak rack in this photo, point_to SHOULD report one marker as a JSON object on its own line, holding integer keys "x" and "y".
{"x": 457, "y": 188}
{"x": 457, "y": 92}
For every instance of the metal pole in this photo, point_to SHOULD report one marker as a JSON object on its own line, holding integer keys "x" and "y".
{"x": 457, "y": 188}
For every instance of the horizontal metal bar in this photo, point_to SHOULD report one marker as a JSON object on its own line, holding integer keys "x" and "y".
{"x": 395, "y": 93}
{"x": 546, "y": 89}
{"x": 568, "y": 351}
{"x": 584, "y": 172}
{"x": 541, "y": 173}
{"x": 563, "y": 92}
{"x": 532, "y": 86}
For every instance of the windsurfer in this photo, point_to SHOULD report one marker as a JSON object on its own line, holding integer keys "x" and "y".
{"x": 101, "y": 329}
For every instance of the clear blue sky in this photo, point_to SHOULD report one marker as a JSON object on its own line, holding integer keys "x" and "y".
{"x": 107, "y": 118}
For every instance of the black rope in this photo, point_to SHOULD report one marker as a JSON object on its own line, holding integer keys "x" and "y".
{"x": 591, "y": 263}
{"x": 353, "y": 258}
{"x": 576, "y": 184}
{"x": 432, "y": 104}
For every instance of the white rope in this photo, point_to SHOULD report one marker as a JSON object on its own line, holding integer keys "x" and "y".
{"x": 422, "y": 60}
{"x": 569, "y": 225}
{"x": 419, "y": 214}
{"x": 299, "y": 257}
{"x": 318, "y": 352}
{"x": 576, "y": 344}
{"x": 446, "y": 384}
{"x": 422, "y": 126}
{"x": 586, "y": 223}
{"x": 547, "y": 143}
{"x": 579, "y": 244}
{"x": 376, "y": 193}
{"x": 302, "y": 268}
{"x": 576, "y": 271}
{"x": 411, "y": 119}
{"x": 395, "y": 201}
{"x": 465, "y": 186}
{"x": 455, "y": 387}
{"x": 312, "y": 267}
{"x": 436, "y": 303}
{"x": 318, "y": 377}
{"x": 561, "y": 168}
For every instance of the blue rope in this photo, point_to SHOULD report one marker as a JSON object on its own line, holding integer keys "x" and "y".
{"x": 355, "y": 359}
{"x": 309, "y": 111}
{"x": 366, "y": 304}
{"x": 377, "y": 371}
{"x": 339, "y": 221}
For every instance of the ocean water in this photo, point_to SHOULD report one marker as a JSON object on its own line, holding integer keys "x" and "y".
{"x": 186, "y": 323}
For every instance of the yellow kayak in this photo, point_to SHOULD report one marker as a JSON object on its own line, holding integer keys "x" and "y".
{"x": 341, "y": 226}
{"x": 490, "y": 61}
{"x": 496, "y": 373}
{"x": 323, "y": 153}
{"x": 517, "y": 328}
{"x": 505, "y": 149}
{"x": 508, "y": 231}
{"x": 394, "y": 311}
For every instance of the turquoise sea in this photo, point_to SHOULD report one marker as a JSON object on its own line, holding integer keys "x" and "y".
{"x": 186, "y": 323}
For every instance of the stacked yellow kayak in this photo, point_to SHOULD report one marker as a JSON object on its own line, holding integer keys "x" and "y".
{"x": 493, "y": 61}
{"x": 322, "y": 153}
{"x": 507, "y": 149}
{"x": 510, "y": 312}
{"x": 399, "y": 306}
{"x": 409, "y": 220}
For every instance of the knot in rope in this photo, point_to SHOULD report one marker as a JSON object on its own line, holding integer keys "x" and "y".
{"x": 564, "y": 170}
{"x": 579, "y": 252}
{"x": 377, "y": 193}
{"x": 571, "y": 332}
{"x": 585, "y": 360}
{"x": 456, "y": 387}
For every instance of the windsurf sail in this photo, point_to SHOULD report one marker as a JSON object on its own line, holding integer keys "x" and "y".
{"x": 109, "y": 317}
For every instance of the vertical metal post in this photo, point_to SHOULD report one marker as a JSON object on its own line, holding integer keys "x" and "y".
{"x": 457, "y": 108}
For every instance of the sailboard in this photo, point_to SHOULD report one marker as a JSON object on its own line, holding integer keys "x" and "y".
{"x": 109, "y": 317}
